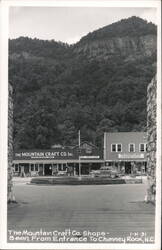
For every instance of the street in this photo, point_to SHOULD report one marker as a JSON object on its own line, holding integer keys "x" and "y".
{"x": 118, "y": 210}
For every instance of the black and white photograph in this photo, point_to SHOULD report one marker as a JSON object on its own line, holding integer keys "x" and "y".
{"x": 83, "y": 125}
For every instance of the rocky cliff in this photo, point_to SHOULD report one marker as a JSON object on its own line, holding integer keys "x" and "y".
{"x": 130, "y": 38}
{"x": 130, "y": 48}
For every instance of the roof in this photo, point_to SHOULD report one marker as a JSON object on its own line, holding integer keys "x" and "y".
{"x": 90, "y": 144}
{"x": 126, "y": 133}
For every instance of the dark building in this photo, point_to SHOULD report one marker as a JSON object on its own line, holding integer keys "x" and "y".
{"x": 124, "y": 151}
{"x": 58, "y": 161}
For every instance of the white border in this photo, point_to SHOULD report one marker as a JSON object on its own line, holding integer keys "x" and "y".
{"x": 4, "y": 5}
{"x": 158, "y": 120}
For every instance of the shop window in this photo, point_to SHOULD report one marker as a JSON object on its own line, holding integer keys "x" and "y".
{"x": 142, "y": 147}
{"x": 59, "y": 167}
{"x": 113, "y": 147}
{"x": 32, "y": 167}
{"x": 64, "y": 167}
{"x": 54, "y": 166}
{"x": 36, "y": 167}
{"x": 16, "y": 168}
{"x": 131, "y": 147}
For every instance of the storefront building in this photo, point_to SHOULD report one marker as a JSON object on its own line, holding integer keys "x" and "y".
{"x": 78, "y": 160}
{"x": 126, "y": 151}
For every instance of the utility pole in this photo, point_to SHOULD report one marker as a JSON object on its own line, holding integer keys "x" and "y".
{"x": 79, "y": 137}
{"x": 79, "y": 154}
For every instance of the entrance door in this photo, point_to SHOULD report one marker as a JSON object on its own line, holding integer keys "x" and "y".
{"x": 85, "y": 168}
{"x": 48, "y": 169}
{"x": 127, "y": 167}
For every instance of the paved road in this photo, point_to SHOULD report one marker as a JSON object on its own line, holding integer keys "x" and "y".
{"x": 117, "y": 210}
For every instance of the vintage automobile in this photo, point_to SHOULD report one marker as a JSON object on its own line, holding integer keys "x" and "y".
{"x": 61, "y": 173}
{"x": 105, "y": 172}
{"x": 94, "y": 173}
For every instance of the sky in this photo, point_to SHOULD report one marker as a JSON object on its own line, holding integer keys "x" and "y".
{"x": 68, "y": 24}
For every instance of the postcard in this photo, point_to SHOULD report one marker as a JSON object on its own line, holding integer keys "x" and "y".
{"x": 80, "y": 124}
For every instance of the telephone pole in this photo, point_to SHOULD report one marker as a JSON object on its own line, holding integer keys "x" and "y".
{"x": 79, "y": 154}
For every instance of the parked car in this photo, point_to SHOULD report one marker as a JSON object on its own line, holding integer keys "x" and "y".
{"x": 94, "y": 173}
{"x": 61, "y": 173}
{"x": 106, "y": 172}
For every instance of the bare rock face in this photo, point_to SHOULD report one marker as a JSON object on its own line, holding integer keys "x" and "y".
{"x": 10, "y": 192}
{"x": 128, "y": 47}
{"x": 149, "y": 44}
{"x": 128, "y": 39}
{"x": 151, "y": 138}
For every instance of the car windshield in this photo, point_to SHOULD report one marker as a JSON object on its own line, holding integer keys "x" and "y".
{"x": 105, "y": 168}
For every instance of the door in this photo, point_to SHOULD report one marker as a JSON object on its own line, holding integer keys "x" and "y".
{"x": 127, "y": 167}
{"x": 48, "y": 169}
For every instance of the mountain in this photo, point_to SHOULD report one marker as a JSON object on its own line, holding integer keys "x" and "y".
{"x": 129, "y": 38}
{"x": 96, "y": 85}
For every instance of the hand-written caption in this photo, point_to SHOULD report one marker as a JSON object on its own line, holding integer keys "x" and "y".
{"x": 75, "y": 236}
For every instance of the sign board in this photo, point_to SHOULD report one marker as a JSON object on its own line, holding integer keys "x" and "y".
{"x": 90, "y": 157}
{"x": 131, "y": 156}
{"x": 49, "y": 154}
{"x": 57, "y": 154}
{"x": 86, "y": 151}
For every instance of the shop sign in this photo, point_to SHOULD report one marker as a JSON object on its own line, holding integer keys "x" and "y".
{"x": 90, "y": 157}
{"x": 51, "y": 154}
{"x": 131, "y": 156}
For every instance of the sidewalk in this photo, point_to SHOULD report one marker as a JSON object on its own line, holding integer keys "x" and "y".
{"x": 21, "y": 180}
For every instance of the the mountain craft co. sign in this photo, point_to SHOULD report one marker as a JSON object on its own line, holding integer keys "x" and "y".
{"x": 49, "y": 154}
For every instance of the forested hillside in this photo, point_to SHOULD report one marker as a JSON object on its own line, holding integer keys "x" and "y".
{"x": 96, "y": 85}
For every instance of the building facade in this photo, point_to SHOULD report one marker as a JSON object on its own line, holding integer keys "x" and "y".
{"x": 126, "y": 151}
{"x": 78, "y": 160}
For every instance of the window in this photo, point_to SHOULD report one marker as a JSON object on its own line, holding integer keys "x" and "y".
{"x": 116, "y": 147}
{"x": 32, "y": 167}
{"x": 59, "y": 167}
{"x": 142, "y": 147}
{"x": 16, "y": 168}
{"x": 64, "y": 167}
{"x": 113, "y": 147}
{"x": 36, "y": 167}
{"x": 119, "y": 147}
{"x": 131, "y": 147}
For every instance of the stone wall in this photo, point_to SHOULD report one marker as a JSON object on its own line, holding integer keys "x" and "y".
{"x": 10, "y": 193}
{"x": 151, "y": 139}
